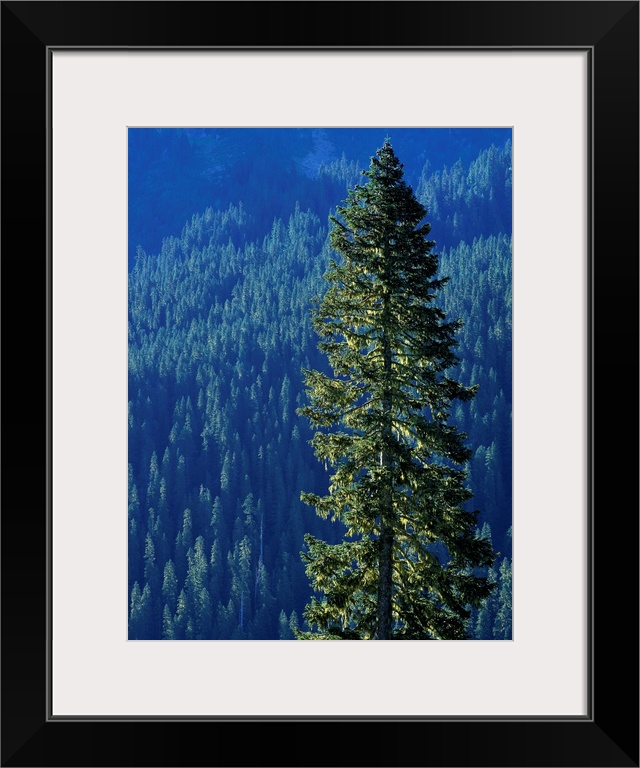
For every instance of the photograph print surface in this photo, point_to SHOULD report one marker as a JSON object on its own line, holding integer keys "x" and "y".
{"x": 319, "y": 383}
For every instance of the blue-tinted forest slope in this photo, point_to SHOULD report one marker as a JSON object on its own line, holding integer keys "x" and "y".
{"x": 227, "y": 244}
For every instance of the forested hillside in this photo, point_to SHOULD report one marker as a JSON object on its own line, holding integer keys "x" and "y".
{"x": 228, "y": 244}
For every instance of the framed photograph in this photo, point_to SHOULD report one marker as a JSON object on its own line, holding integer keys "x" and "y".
{"x": 147, "y": 135}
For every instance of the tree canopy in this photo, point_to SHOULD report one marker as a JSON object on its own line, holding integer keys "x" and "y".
{"x": 411, "y": 564}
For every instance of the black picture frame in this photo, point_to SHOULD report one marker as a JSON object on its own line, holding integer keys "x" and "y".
{"x": 608, "y": 736}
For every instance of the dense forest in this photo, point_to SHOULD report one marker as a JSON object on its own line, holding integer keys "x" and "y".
{"x": 228, "y": 243}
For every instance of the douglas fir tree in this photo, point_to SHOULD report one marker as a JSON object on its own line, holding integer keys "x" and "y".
{"x": 410, "y": 565}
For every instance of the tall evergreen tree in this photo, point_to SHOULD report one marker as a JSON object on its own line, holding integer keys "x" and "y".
{"x": 408, "y": 566}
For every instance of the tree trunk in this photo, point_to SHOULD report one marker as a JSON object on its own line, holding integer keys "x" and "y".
{"x": 383, "y": 631}
{"x": 385, "y": 562}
